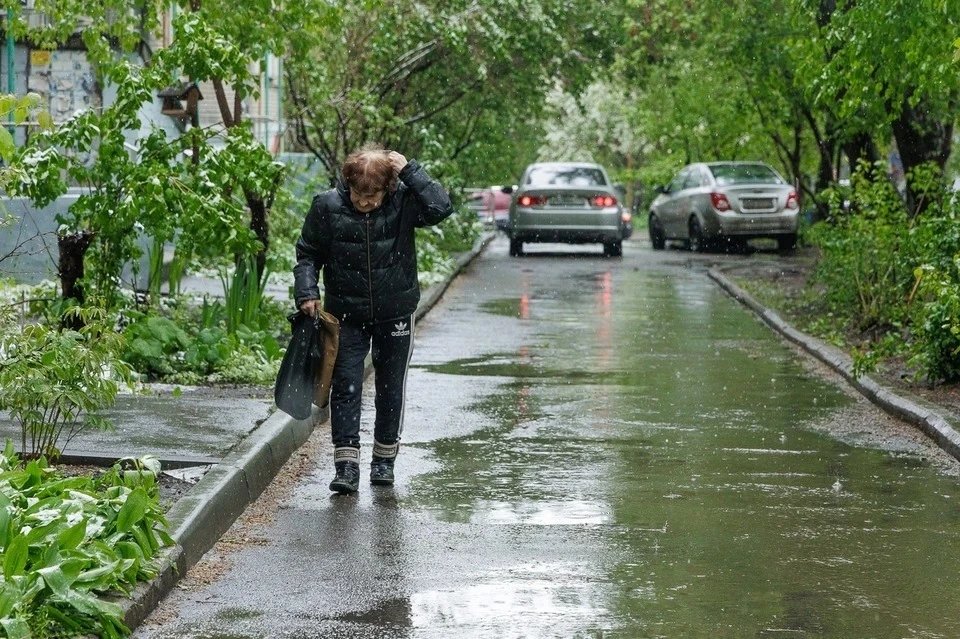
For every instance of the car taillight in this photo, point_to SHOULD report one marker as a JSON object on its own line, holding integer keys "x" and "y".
{"x": 604, "y": 201}
{"x": 793, "y": 200}
{"x": 626, "y": 217}
{"x": 720, "y": 202}
{"x": 532, "y": 200}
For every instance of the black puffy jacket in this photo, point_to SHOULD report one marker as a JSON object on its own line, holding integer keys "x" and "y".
{"x": 369, "y": 260}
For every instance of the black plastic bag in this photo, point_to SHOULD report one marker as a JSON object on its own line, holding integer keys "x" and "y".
{"x": 294, "y": 388}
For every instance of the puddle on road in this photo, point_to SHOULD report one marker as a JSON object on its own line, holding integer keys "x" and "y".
{"x": 491, "y": 607}
{"x": 693, "y": 440}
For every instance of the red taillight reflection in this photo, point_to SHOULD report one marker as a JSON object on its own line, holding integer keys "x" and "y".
{"x": 604, "y": 201}
{"x": 720, "y": 201}
{"x": 793, "y": 200}
{"x": 532, "y": 200}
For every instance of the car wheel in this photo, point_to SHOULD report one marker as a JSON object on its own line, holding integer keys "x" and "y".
{"x": 613, "y": 249}
{"x": 696, "y": 243}
{"x": 787, "y": 242}
{"x": 516, "y": 248}
{"x": 657, "y": 236}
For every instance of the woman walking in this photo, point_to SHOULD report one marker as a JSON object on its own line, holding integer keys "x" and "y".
{"x": 361, "y": 235}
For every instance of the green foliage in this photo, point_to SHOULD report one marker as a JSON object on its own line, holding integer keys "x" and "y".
{"x": 896, "y": 280}
{"x": 936, "y": 351}
{"x": 192, "y": 189}
{"x": 436, "y": 245}
{"x": 864, "y": 278}
{"x": 442, "y": 80}
{"x": 65, "y": 542}
{"x": 154, "y": 344}
{"x": 54, "y": 381}
{"x": 196, "y": 346}
{"x": 243, "y": 293}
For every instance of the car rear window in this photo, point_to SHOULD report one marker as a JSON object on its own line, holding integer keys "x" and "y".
{"x": 745, "y": 174}
{"x": 565, "y": 176}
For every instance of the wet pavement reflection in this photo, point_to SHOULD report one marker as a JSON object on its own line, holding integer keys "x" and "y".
{"x": 597, "y": 447}
{"x": 645, "y": 403}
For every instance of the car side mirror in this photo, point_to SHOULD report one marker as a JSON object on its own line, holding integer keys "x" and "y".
{"x": 507, "y": 189}
{"x": 659, "y": 190}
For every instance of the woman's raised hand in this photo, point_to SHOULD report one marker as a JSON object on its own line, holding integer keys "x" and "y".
{"x": 397, "y": 161}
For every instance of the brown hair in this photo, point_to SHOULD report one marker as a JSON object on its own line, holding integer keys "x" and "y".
{"x": 368, "y": 170}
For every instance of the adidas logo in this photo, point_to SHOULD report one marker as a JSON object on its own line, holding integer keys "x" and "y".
{"x": 401, "y": 331}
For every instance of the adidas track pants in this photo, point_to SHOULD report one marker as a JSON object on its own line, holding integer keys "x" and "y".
{"x": 392, "y": 346}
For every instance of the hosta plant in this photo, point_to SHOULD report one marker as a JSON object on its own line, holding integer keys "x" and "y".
{"x": 71, "y": 545}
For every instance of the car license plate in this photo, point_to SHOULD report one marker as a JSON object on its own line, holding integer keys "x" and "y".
{"x": 567, "y": 200}
{"x": 758, "y": 203}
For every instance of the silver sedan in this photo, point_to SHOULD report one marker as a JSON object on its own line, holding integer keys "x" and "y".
{"x": 571, "y": 202}
{"x": 713, "y": 202}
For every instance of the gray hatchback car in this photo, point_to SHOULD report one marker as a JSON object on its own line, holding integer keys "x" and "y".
{"x": 713, "y": 202}
{"x": 572, "y": 202}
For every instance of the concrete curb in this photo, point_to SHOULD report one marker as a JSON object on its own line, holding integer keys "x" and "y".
{"x": 208, "y": 510}
{"x": 932, "y": 422}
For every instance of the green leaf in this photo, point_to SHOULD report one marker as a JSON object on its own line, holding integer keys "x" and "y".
{"x": 5, "y": 521}
{"x": 15, "y": 628}
{"x": 112, "y": 568}
{"x": 7, "y": 146}
{"x": 132, "y": 511}
{"x": 55, "y": 580}
{"x": 72, "y": 537}
{"x": 45, "y": 120}
{"x": 88, "y": 604}
{"x": 7, "y": 104}
{"x": 15, "y": 557}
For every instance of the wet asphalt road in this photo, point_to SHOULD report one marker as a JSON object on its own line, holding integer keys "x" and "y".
{"x": 597, "y": 447}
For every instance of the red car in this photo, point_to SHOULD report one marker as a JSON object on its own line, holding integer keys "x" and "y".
{"x": 492, "y": 205}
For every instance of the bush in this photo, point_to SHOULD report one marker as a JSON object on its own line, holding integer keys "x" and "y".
{"x": 66, "y": 541}
{"x": 936, "y": 349}
{"x": 436, "y": 245}
{"x": 894, "y": 277}
{"x": 54, "y": 381}
{"x": 866, "y": 283}
{"x": 202, "y": 350}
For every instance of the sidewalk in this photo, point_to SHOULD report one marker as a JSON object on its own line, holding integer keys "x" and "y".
{"x": 238, "y": 442}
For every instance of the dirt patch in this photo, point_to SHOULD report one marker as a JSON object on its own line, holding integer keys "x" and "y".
{"x": 782, "y": 282}
{"x": 172, "y": 489}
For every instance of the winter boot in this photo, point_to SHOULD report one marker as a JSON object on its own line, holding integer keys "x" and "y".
{"x": 381, "y": 468}
{"x": 346, "y": 460}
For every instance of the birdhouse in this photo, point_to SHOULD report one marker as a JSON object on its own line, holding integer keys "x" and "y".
{"x": 180, "y": 100}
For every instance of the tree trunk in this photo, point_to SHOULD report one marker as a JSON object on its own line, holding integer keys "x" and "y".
{"x": 861, "y": 147}
{"x": 73, "y": 247}
{"x": 260, "y": 225}
{"x": 921, "y": 138}
{"x": 826, "y": 146}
